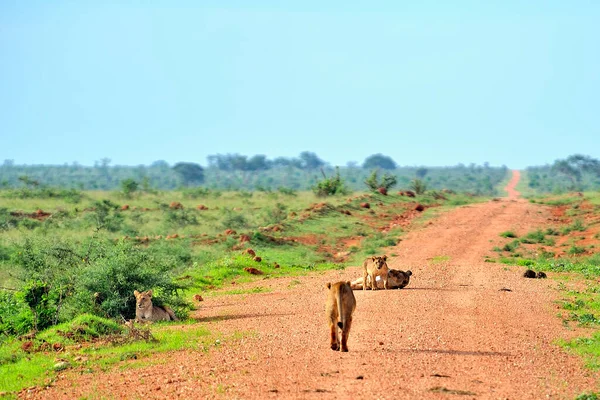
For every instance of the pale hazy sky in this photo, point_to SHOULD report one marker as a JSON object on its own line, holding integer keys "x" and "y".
{"x": 431, "y": 83}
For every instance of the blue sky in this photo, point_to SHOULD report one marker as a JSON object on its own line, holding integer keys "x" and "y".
{"x": 427, "y": 82}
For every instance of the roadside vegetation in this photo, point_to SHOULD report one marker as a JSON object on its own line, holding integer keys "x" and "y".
{"x": 70, "y": 260}
{"x": 576, "y": 173}
{"x": 567, "y": 249}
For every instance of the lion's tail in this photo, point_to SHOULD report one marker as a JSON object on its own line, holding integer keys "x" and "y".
{"x": 341, "y": 313}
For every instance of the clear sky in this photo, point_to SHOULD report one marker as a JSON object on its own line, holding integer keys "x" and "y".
{"x": 431, "y": 83}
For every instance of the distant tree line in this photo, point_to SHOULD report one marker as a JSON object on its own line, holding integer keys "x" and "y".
{"x": 241, "y": 172}
{"x": 575, "y": 173}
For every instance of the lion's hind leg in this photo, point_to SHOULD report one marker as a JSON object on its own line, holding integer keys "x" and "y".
{"x": 345, "y": 333}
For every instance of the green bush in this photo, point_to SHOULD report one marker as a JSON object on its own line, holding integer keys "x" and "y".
{"x": 534, "y": 237}
{"x": 511, "y": 246}
{"x": 106, "y": 215}
{"x": 234, "y": 220}
{"x": 7, "y": 221}
{"x": 129, "y": 187}
{"x": 418, "y": 186}
{"x": 16, "y": 317}
{"x": 375, "y": 185}
{"x": 106, "y": 286}
{"x": 575, "y": 250}
{"x": 330, "y": 186}
{"x": 180, "y": 218}
{"x": 62, "y": 281}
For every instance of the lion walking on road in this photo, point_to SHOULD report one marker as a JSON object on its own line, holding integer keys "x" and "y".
{"x": 339, "y": 308}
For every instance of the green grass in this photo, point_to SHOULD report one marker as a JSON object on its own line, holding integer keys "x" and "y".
{"x": 508, "y": 234}
{"x": 581, "y": 307}
{"x": 586, "y": 347}
{"x": 19, "y": 369}
{"x": 440, "y": 259}
{"x": 203, "y": 258}
{"x": 37, "y": 369}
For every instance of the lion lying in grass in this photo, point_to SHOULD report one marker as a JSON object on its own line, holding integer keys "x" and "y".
{"x": 146, "y": 311}
{"x": 397, "y": 279}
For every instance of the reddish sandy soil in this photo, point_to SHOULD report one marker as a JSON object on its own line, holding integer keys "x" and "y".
{"x": 452, "y": 333}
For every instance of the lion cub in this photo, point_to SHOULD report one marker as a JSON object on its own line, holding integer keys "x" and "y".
{"x": 339, "y": 308}
{"x": 146, "y": 311}
{"x": 373, "y": 267}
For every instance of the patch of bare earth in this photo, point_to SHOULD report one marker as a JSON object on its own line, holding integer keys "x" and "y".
{"x": 452, "y": 332}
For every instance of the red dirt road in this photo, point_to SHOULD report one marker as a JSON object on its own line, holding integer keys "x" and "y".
{"x": 452, "y": 333}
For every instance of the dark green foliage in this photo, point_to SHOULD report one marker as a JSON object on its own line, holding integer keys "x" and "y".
{"x": 106, "y": 286}
{"x": 37, "y": 296}
{"x": 129, "y": 187}
{"x": 330, "y": 186}
{"x": 16, "y": 317}
{"x": 310, "y": 160}
{"x": 62, "y": 280}
{"x": 49, "y": 266}
{"x": 508, "y": 234}
{"x": 379, "y": 161}
{"x": 189, "y": 173}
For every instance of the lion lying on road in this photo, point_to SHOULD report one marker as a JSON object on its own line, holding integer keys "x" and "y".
{"x": 146, "y": 311}
{"x": 397, "y": 279}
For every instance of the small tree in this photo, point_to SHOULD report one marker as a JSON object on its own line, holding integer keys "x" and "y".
{"x": 418, "y": 186}
{"x": 379, "y": 161}
{"x": 189, "y": 173}
{"x": 330, "y": 186}
{"x": 387, "y": 182}
{"x": 129, "y": 187}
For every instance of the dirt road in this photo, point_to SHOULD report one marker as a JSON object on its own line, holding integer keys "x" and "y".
{"x": 452, "y": 333}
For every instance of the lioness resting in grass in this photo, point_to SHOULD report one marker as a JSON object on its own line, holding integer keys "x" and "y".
{"x": 373, "y": 267}
{"x": 146, "y": 311}
{"x": 397, "y": 279}
{"x": 339, "y": 308}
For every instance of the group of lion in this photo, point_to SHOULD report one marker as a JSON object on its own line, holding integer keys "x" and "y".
{"x": 341, "y": 303}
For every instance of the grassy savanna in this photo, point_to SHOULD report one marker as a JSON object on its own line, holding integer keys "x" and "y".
{"x": 567, "y": 249}
{"x": 63, "y": 259}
